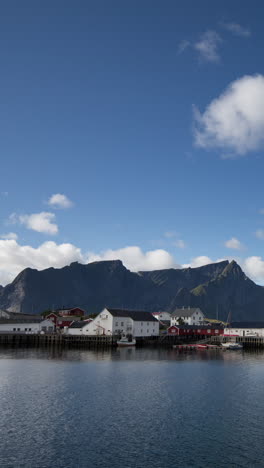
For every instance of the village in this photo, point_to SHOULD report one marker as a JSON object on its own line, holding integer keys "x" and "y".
{"x": 185, "y": 324}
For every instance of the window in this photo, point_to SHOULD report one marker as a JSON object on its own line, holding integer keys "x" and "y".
{"x": 106, "y": 316}
{"x": 216, "y": 331}
{"x": 14, "y": 329}
{"x": 208, "y": 331}
{"x": 18, "y": 329}
{"x": 142, "y": 324}
{"x": 153, "y": 330}
{"x": 147, "y": 331}
{"x": 141, "y": 330}
{"x": 29, "y": 329}
{"x": 116, "y": 324}
{"x": 25, "y": 329}
{"x": 147, "y": 324}
{"x": 122, "y": 324}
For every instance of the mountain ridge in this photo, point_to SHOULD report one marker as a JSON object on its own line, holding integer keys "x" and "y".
{"x": 218, "y": 289}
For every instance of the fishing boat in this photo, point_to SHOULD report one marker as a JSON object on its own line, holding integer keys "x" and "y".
{"x": 233, "y": 346}
{"x": 126, "y": 341}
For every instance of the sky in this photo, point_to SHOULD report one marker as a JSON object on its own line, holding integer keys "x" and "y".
{"x": 131, "y": 130}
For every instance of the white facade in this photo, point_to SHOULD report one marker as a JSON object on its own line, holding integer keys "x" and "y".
{"x": 107, "y": 324}
{"x": 190, "y": 316}
{"x": 162, "y": 316}
{"x": 11, "y": 326}
{"x": 248, "y": 331}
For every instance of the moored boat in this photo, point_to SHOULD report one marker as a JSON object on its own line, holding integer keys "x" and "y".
{"x": 233, "y": 346}
{"x": 126, "y": 341}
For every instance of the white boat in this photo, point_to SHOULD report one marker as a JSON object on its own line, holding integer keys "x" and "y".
{"x": 232, "y": 345}
{"x": 125, "y": 341}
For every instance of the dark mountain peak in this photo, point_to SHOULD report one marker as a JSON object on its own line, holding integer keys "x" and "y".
{"x": 234, "y": 270}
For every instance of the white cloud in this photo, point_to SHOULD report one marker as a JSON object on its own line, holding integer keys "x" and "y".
{"x": 260, "y": 234}
{"x": 15, "y": 257}
{"x": 58, "y": 200}
{"x": 40, "y": 222}
{"x": 135, "y": 259}
{"x": 237, "y": 29}
{"x": 179, "y": 243}
{"x": 254, "y": 268}
{"x": 198, "y": 261}
{"x": 207, "y": 46}
{"x": 235, "y": 120}
{"x": 234, "y": 243}
{"x": 10, "y": 235}
{"x": 183, "y": 45}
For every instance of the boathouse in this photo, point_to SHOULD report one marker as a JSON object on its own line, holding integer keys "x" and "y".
{"x": 121, "y": 321}
{"x": 250, "y": 329}
{"x": 195, "y": 330}
{"x": 28, "y": 325}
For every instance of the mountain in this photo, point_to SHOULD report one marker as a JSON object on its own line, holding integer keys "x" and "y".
{"x": 218, "y": 289}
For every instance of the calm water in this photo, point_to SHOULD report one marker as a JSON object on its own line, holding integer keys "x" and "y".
{"x": 131, "y": 409}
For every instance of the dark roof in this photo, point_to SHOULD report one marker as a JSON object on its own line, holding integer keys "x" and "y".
{"x": 137, "y": 315}
{"x": 67, "y": 318}
{"x": 184, "y": 312}
{"x": 199, "y": 327}
{"x": 246, "y": 325}
{"x": 79, "y": 324}
{"x": 21, "y": 320}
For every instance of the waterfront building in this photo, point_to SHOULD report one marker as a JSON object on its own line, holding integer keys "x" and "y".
{"x": 31, "y": 325}
{"x": 188, "y": 315}
{"x": 245, "y": 329}
{"x": 162, "y": 316}
{"x": 120, "y": 321}
{"x": 73, "y": 311}
{"x": 195, "y": 330}
{"x": 62, "y": 322}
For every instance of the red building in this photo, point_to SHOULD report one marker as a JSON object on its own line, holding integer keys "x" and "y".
{"x": 195, "y": 330}
{"x": 74, "y": 311}
{"x": 61, "y": 322}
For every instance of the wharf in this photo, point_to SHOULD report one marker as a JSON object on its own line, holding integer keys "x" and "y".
{"x": 38, "y": 340}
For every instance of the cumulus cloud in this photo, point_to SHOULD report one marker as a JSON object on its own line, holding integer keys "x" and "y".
{"x": 58, "y": 200}
{"x": 236, "y": 29}
{"x": 234, "y": 122}
{"x": 234, "y": 243}
{"x": 10, "y": 235}
{"x": 208, "y": 45}
{"x": 254, "y": 268}
{"x": 40, "y": 222}
{"x": 136, "y": 260}
{"x": 260, "y": 234}
{"x": 15, "y": 257}
{"x": 198, "y": 261}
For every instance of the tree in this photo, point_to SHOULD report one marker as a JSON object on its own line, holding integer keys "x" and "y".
{"x": 180, "y": 321}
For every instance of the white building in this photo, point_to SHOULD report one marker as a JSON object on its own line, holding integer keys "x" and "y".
{"x": 162, "y": 316}
{"x": 118, "y": 322}
{"x": 189, "y": 315}
{"x": 245, "y": 329}
{"x": 26, "y": 325}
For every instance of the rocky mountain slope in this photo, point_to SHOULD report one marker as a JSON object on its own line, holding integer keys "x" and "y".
{"x": 218, "y": 288}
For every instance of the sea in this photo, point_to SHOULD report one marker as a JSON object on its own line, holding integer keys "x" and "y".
{"x": 131, "y": 408}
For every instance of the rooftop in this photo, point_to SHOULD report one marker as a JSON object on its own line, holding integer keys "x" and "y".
{"x": 185, "y": 312}
{"x": 137, "y": 315}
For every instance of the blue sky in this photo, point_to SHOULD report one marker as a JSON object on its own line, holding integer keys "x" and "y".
{"x": 112, "y": 105}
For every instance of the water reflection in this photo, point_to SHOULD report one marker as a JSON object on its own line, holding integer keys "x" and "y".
{"x": 130, "y": 354}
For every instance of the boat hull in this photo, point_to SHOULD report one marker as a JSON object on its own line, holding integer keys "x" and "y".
{"x": 126, "y": 343}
